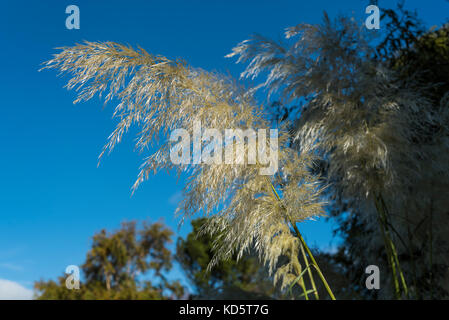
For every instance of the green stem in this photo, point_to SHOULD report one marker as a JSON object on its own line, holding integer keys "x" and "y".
{"x": 401, "y": 274}
{"x": 312, "y": 281}
{"x": 390, "y": 259}
{"x": 303, "y": 286}
{"x": 317, "y": 268}
{"x": 390, "y": 248}
{"x": 393, "y": 247}
{"x": 312, "y": 258}
{"x": 301, "y": 282}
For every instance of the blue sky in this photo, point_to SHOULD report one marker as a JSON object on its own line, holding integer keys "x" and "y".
{"x": 53, "y": 198}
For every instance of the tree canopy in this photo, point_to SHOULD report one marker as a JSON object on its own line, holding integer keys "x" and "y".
{"x": 119, "y": 266}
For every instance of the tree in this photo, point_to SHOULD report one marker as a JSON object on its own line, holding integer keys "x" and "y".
{"x": 118, "y": 264}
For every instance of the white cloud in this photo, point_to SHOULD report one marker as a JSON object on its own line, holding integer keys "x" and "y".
{"x": 10, "y": 290}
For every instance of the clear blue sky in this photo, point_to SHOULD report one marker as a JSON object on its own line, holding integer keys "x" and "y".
{"x": 53, "y": 198}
